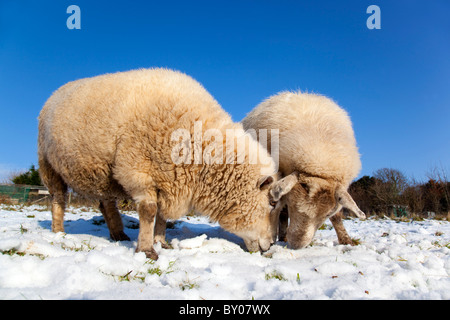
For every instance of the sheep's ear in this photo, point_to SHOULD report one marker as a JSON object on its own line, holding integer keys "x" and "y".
{"x": 283, "y": 186}
{"x": 265, "y": 182}
{"x": 346, "y": 200}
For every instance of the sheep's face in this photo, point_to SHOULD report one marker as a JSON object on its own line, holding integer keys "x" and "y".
{"x": 255, "y": 221}
{"x": 262, "y": 232}
{"x": 311, "y": 200}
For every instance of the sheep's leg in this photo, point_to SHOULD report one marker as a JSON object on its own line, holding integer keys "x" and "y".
{"x": 57, "y": 189}
{"x": 342, "y": 234}
{"x": 113, "y": 220}
{"x": 160, "y": 231}
{"x": 147, "y": 213}
{"x": 58, "y": 207}
{"x": 283, "y": 224}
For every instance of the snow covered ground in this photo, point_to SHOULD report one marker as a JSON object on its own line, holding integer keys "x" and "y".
{"x": 394, "y": 260}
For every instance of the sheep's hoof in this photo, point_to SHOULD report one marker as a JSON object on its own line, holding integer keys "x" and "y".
{"x": 119, "y": 236}
{"x": 150, "y": 254}
{"x": 164, "y": 244}
{"x": 56, "y": 228}
{"x": 346, "y": 241}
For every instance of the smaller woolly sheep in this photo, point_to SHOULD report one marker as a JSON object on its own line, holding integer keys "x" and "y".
{"x": 318, "y": 159}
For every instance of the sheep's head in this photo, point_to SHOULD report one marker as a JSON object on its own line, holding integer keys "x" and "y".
{"x": 311, "y": 200}
{"x": 255, "y": 221}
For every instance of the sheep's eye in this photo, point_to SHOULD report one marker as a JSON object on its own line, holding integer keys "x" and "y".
{"x": 273, "y": 203}
{"x": 305, "y": 186}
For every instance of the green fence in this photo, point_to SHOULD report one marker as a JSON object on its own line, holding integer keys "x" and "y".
{"x": 21, "y": 193}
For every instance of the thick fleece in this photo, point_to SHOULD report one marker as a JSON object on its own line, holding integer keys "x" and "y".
{"x": 110, "y": 137}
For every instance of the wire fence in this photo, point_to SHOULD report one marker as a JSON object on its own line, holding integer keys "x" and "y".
{"x": 15, "y": 194}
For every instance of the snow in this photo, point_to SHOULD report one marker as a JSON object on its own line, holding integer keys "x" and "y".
{"x": 394, "y": 260}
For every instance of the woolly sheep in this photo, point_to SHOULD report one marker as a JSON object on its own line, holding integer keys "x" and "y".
{"x": 111, "y": 137}
{"x": 318, "y": 159}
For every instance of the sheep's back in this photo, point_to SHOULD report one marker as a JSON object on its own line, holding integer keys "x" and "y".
{"x": 83, "y": 123}
{"x": 316, "y": 135}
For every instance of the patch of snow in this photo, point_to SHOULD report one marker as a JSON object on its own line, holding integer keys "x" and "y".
{"x": 394, "y": 260}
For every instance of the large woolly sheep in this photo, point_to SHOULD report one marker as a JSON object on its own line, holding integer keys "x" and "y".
{"x": 318, "y": 159}
{"x": 117, "y": 136}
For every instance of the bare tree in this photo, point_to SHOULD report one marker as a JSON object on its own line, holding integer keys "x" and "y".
{"x": 389, "y": 187}
{"x": 440, "y": 188}
{"x": 362, "y": 192}
{"x": 414, "y": 196}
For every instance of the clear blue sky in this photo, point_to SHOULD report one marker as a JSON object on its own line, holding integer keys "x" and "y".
{"x": 394, "y": 82}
